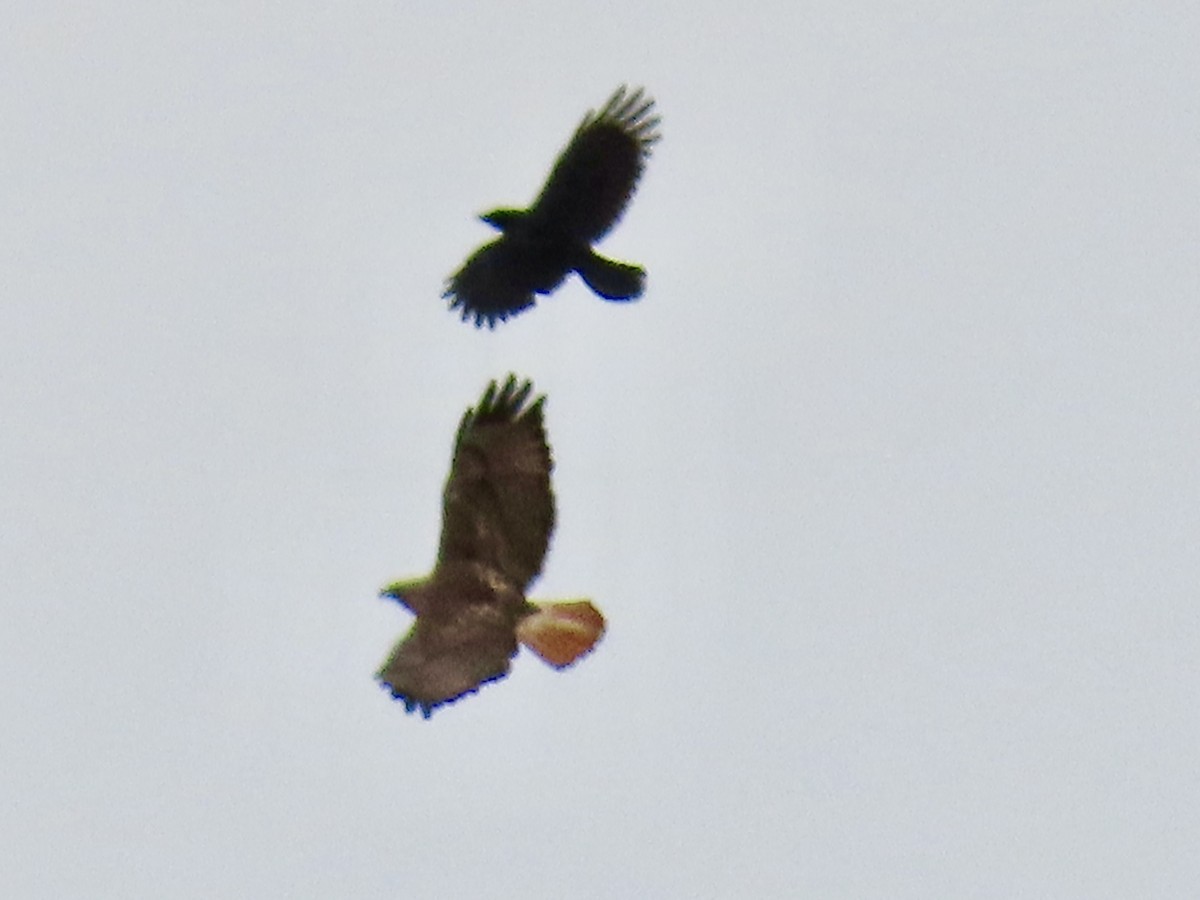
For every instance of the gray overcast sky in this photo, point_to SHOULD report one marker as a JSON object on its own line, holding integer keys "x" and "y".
{"x": 888, "y": 486}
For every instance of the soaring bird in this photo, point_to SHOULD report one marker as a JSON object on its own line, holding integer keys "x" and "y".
{"x": 585, "y": 195}
{"x": 497, "y": 517}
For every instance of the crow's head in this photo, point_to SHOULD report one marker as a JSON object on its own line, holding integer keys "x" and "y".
{"x": 501, "y": 219}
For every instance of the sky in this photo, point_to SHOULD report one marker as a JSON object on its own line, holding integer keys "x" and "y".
{"x": 888, "y": 486}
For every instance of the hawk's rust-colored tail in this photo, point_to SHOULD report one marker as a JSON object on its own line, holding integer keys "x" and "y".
{"x": 560, "y": 633}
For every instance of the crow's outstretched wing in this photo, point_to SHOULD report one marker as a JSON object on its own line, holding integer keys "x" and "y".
{"x": 444, "y": 656}
{"x": 497, "y": 508}
{"x": 596, "y": 174}
{"x": 493, "y": 284}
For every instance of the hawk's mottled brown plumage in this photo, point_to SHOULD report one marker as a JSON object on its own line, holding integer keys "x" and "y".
{"x": 585, "y": 195}
{"x": 497, "y": 517}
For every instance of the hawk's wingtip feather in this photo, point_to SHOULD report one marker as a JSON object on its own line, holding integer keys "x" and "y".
{"x": 427, "y": 707}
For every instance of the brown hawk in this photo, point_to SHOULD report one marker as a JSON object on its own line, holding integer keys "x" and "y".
{"x": 497, "y": 516}
{"x": 592, "y": 181}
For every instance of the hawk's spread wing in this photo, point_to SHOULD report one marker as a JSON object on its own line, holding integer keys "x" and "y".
{"x": 497, "y": 508}
{"x": 446, "y": 655}
{"x": 596, "y": 174}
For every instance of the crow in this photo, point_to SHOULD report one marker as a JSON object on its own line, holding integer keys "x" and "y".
{"x": 585, "y": 195}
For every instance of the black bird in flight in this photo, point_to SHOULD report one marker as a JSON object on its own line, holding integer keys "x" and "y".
{"x": 497, "y": 516}
{"x": 592, "y": 181}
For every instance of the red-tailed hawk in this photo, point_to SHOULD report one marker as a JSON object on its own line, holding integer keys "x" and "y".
{"x": 592, "y": 181}
{"x": 497, "y": 516}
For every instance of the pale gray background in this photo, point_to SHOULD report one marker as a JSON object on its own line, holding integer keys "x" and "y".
{"x": 888, "y": 487}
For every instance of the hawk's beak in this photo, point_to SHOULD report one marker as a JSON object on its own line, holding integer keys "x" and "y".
{"x": 403, "y": 591}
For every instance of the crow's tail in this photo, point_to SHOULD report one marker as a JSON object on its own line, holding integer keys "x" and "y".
{"x": 610, "y": 279}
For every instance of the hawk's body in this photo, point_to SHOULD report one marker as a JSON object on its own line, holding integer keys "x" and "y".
{"x": 585, "y": 195}
{"x": 498, "y": 514}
